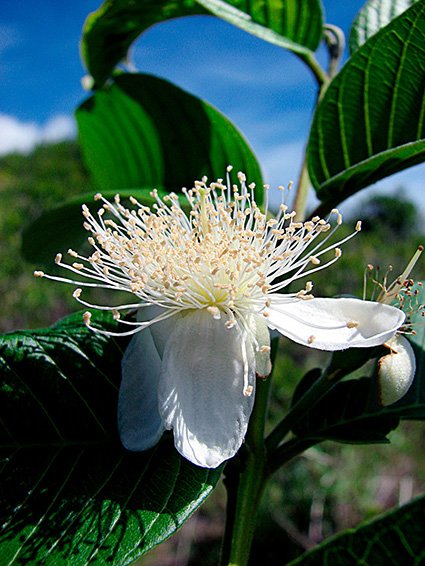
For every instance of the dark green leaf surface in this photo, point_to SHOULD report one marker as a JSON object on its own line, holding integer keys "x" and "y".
{"x": 69, "y": 493}
{"x": 143, "y": 131}
{"x": 61, "y": 228}
{"x": 370, "y": 122}
{"x": 109, "y": 32}
{"x": 349, "y": 413}
{"x": 373, "y": 16}
{"x": 395, "y": 539}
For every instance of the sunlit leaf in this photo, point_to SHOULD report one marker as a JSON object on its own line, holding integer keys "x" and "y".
{"x": 370, "y": 122}
{"x": 109, "y": 32}
{"x": 373, "y": 16}
{"x": 69, "y": 492}
{"x": 390, "y": 540}
{"x": 143, "y": 131}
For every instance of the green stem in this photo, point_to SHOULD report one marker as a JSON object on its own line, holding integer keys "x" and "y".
{"x": 301, "y": 195}
{"x": 251, "y": 483}
{"x": 319, "y": 73}
{"x": 335, "y": 42}
{"x": 245, "y": 486}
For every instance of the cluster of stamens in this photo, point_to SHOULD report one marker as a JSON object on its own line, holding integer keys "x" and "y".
{"x": 402, "y": 293}
{"x": 224, "y": 255}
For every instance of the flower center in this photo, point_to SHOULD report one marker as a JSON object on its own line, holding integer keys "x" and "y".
{"x": 224, "y": 255}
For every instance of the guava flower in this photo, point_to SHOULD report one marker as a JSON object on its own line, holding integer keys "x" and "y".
{"x": 207, "y": 285}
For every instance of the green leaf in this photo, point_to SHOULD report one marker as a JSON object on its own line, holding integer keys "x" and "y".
{"x": 374, "y": 15}
{"x": 351, "y": 411}
{"x": 109, "y": 32}
{"x": 61, "y": 228}
{"x": 143, "y": 131}
{"x": 69, "y": 492}
{"x": 369, "y": 123}
{"x": 391, "y": 540}
{"x": 296, "y": 25}
{"x": 348, "y": 413}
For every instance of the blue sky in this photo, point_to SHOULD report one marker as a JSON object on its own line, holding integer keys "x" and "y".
{"x": 266, "y": 91}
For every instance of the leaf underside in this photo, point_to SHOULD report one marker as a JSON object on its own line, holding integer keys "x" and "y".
{"x": 109, "y": 32}
{"x": 373, "y": 16}
{"x": 370, "y": 123}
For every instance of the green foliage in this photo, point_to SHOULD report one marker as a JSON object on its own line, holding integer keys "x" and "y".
{"x": 109, "y": 32}
{"x": 70, "y": 493}
{"x": 144, "y": 132}
{"x": 374, "y": 15}
{"x": 369, "y": 123}
{"x": 394, "y": 539}
{"x": 29, "y": 185}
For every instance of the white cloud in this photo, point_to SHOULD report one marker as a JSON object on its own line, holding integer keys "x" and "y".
{"x": 23, "y": 137}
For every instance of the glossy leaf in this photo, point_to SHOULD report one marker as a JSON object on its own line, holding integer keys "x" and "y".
{"x": 143, "y": 131}
{"x": 390, "y": 540}
{"x": 109, "y": 32}
{"x": 373, "y": 16}
{"x": 69, "y": 492}
{"x": 370, "y": 121}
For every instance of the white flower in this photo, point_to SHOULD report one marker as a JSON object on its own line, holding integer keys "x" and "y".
{"x": 207, "y": 290}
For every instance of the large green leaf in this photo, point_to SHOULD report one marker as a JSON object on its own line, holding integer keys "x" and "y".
{"x": 374, "y": 15}
{"x": 143, "y": 131}
{"x": 70, "y": 494}
{"x": 394, "y": 539}
{"x": 370, "y": 121}
{"x": 109, "y": 32}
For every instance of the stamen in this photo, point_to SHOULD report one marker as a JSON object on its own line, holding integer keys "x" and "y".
{"x": 204, "y": 218}
{"x": 224, "y": 256}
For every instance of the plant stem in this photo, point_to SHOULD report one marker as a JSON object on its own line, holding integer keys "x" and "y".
{"x": 308, "y": 400}
{"x": 245, "y": 485}
{"x": 319, "y": 73}
{"x": 301, "y": 195}
{"x": 251, "y": 481}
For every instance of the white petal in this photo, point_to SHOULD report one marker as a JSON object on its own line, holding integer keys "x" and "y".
{"x": 201, "y": 392}
{"x": 139, "y": 423}
{"x": 396, "y": 370}
{"x": 334, "y": 324}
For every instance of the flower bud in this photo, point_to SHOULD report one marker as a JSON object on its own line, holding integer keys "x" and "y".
{"x": 396, "y": 370}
